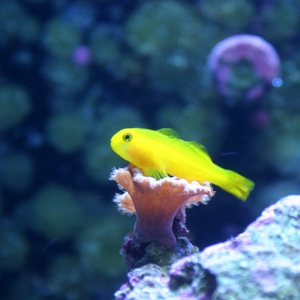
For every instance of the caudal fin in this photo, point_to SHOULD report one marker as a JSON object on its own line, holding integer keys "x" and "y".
{"x": 238, "y": 185}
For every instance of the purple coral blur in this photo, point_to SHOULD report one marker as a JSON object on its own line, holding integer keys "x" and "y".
{"x": 230, "y": 52}
{"x": 261, "y": 263}
{"x": 82, "y": 55}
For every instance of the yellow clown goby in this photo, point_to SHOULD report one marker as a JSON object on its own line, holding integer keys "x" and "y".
{"x": 159, "y": 153}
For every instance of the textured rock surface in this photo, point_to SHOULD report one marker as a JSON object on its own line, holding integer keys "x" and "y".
{"x": 137, "y": 255}
{"x": 261, "y": 263}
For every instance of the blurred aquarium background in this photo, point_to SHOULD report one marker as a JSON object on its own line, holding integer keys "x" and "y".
{"x": 74, "y": 72}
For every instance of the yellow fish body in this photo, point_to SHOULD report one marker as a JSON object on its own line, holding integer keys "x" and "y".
{"x": 162, "y": 152}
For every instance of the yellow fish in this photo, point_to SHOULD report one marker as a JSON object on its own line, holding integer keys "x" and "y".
{"x": 162, "y": 152}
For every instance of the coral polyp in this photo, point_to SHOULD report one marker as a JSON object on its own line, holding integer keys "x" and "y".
{"x": 157, "y": 203}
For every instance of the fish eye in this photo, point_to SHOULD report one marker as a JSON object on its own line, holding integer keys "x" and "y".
{"x": 127, "y": 137}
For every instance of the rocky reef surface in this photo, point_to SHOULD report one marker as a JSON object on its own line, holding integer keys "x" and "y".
{"x": 263, "y": 262}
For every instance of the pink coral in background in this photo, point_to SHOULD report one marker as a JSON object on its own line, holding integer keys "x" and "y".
{"x": 258, "y": 53}
{"x": 260, "y": 118}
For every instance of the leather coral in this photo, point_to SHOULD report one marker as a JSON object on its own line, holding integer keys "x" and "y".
{"x": 157, "y": 203}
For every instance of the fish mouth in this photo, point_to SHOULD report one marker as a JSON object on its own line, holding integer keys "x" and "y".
{"x": 113, "y": 144}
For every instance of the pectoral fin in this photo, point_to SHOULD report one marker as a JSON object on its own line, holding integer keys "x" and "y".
{"x": 155, "y": 173}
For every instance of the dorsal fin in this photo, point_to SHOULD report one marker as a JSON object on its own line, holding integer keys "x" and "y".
{"x": 199, "y": 149}
{"x": 194, "y": 146}
{"x": 169, "y": 132}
